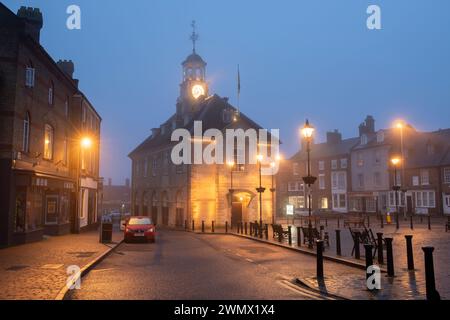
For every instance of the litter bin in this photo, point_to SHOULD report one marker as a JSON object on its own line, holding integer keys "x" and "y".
{"x": 106, "y": 232}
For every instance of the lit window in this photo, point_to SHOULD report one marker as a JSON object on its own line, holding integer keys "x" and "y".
{"x": 48, "y": 142}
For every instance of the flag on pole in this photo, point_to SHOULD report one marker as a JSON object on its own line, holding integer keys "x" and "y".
{"x": 238, "y": 94}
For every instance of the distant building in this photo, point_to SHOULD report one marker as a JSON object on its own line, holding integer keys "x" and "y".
{"x": 43, "y": 115}
{"x": 116, "y": 198}
{"x": 173, "y": 193}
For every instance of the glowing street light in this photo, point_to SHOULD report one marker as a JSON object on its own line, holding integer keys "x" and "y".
{"x": 86, "y": 142}
{"x": 307, "y": 130}
{"x": 395, "y": 162}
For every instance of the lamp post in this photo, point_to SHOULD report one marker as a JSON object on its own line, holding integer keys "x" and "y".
{"x": 231, "y": 164}
{"x": 395, "y": 161}
{"x": 260, "y": 190}
{"x": 401, "y": 125}
{"x": 85, "y": 143}
{"x": 273, "y": 164}
{"x": 309, "y": 180}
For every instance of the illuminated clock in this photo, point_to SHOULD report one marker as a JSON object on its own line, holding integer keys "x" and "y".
{"x": 197, "y": 91}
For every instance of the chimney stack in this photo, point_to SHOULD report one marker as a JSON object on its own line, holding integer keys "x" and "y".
{"x": 33, "y": 21}
{"x": 334, "y": 137}
{"x": 67, "y": 67}
{"x": 367, "y": 127}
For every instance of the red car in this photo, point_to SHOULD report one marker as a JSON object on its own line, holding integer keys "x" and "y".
{"x": 140, "y": 228}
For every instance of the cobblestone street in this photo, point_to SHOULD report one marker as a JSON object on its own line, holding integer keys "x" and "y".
{"x": 38, "y": 270}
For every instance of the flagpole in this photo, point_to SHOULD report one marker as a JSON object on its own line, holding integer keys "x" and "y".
{"x": 239, "y": 91}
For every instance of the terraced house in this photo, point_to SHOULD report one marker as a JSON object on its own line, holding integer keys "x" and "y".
{"x": 48, "y": 180}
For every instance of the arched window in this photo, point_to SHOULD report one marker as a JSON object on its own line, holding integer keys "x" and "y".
{"x": 51, "y": 93}
{"x": 48, "y": 142}
{"x": 66, "y": 107}
{"x": 26, "y": 133}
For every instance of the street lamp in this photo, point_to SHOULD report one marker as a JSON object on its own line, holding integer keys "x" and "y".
{"x": 395, "y": 162}
{"x": 85, "y": 143}
{"x": 260, "y": 190}
{"x": 307, "y": 132}
{"x": 231, "y": 164}
{"x": 273, "y": 164}
{"x": 400, "y": 125}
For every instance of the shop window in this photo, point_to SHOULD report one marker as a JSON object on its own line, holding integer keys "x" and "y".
{"x": 51, "y": 210}
{"x": 48, "y": 142}
{"x": 20, "y": 211}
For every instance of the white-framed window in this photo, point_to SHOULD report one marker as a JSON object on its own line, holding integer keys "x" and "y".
{"x": 334, "y": 165}
{"x": 415, "y": 180}
{"x": 364, "y": 139}
{"x": 295, "y": 168}
{"x": 380, "y": 136}
{"x": 339, "y": 201}
{"x": 321, "y": 165}
{"x": 377, "y": 179}
{"x": 296, "y": 186}
{"x": 297, "y": 201}
{"x": 446, "y": 175}
{"x": 425, "y": 199}
{"x": 344, "y": 164}
{"x": 26, "y": 133}
{"x": 339, "y": 180}
{"x": 321, "y": 181}
{"x": 48, "y": 142}
{"x": 360, "y": 180}
{"x": 401, "y": 199}
{"x": 30, "y": 73}
{"x": 425, "y": 177}
{"x": 359, "y": 159}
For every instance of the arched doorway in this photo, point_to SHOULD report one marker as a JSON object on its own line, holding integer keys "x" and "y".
{"x": 179, "y": 214}
{"x": 154, "y": 203}
{"x": 165, "y": 208}
{"x": 240, "y": 202}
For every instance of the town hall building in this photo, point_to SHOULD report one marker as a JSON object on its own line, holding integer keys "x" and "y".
{"x": 177, "y": 194}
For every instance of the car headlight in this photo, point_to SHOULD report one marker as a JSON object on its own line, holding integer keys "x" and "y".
{"x": 127, "y": 230}
{"x": 151, "y": 230}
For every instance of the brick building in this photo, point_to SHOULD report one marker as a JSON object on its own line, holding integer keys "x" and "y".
{"x": 116, "y": 198}
{"x": 173, "y": 193}
{"x": 330, "y": 163}
{"x": 43, "y": 116}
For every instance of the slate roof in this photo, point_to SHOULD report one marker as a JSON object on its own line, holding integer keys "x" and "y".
{"x": 324, "y": 150}
{"x": 210, "y": 113}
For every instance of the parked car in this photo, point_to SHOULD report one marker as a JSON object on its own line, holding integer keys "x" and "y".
{"x": 123, "y": 220}
{"x": 140, "y": 228}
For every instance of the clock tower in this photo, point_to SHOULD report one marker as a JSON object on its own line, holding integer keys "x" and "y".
{"x": 194, "y": 88}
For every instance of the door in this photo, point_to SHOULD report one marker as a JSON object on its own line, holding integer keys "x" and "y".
{"x": 409, "y": 208}
{"x": 236, "y": 213}
{"x": 447, "y": 203}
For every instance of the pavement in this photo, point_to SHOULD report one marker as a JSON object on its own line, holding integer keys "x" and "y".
{"x": 185, "y": 265}
{"x": 37, "y": 271}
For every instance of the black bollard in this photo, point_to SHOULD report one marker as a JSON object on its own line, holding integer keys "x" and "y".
{"x": 185, "y": 225}
{"x": 245, "y": 225}
{"x": 290, "y": 235}
{"x": 226, "y": 226}
{"x": 326, "y": 222}
{"x": 203, "y": 226}
{"x": 369, "y": 258}
{"x": 382, "y": 221}
{"x": 212, "y": 226}
{"x": 380, "y": 247}
{"x": 397, "y": 222}
{"x": 267, "y": 231}
{"x": 389, "y": 257}
{"x": 368, "y": 221}
{"x": 193, "y": 225}
{"x": 242, "y": 227}
{"x": 409, "y": 252}
{"x": 338, "y": 242}
{"x": 356, "y": 242}
{"x": 429, "y": 222}
{"x": 432, "y": 293}
{"x": 319, "y": 244}
{"x": 411, "y": 222}
{"x": 299, "y": 237}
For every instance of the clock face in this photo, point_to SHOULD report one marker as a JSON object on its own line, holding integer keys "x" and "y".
{"x": 197, "y": 91}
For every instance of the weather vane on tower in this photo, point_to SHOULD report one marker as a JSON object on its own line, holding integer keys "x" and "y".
{"x": 194, "y": 36}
